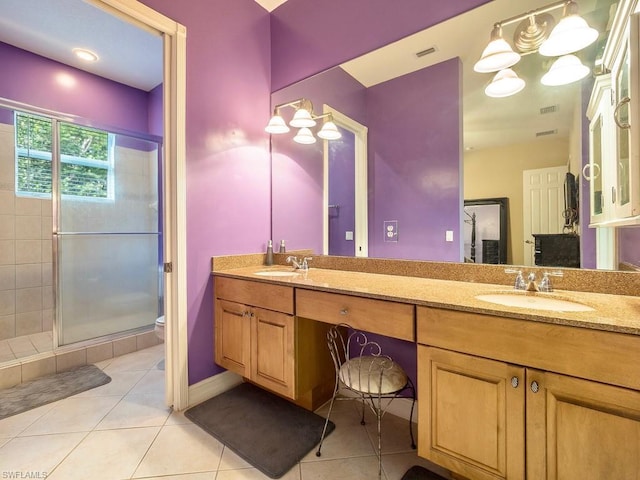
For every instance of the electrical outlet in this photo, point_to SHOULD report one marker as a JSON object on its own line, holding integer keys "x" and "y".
{"x": 390, "y": 230}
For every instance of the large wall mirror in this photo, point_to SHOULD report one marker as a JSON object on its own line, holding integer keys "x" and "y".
{"x": 435, "y": 140}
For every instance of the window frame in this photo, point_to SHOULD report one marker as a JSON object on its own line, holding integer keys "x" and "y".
{"x": 107, "y": 165}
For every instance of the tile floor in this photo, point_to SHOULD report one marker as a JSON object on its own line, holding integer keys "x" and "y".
{"x": 122, "y": 430}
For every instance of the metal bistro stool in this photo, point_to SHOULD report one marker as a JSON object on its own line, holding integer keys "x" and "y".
{"x": 362, "y": 369}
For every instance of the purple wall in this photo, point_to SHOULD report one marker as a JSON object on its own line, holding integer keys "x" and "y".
{"x": 43, "y": 83}
{"x": 296, "y": 212}
{"x": 308, "y": 36}
{"x": 415, "y": 163}
{"x": 628, "y": 245}
{"x": 156, "y": 112}
{"x": 342, "y": 178}
{"x": 228, "y": 167}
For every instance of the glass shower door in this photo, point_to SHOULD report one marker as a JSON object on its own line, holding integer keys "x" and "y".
{"x": 106, "y": 234}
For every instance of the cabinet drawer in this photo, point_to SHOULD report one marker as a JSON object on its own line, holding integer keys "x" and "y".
{"x": 607, "y": 357}
{"x": 258, "y": 294}
{"x": 391, "y": 319}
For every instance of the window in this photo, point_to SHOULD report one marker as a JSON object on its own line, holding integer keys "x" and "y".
{"x": 85, "y": 154}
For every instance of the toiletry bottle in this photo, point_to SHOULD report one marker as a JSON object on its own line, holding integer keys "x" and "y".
{"x": 269, "y": 259}
{"x": 283, "y": 249}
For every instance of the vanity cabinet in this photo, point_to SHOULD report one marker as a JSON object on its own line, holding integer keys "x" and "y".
{"x": 515, "y": 399}
{"x": 257, "y": 336}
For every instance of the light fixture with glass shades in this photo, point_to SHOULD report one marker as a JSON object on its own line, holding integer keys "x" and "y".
{"x": 304, "y": 119}
{"x": 537, "y": 31}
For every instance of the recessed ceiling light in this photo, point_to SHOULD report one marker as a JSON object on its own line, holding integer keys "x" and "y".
{"x": 86, "y": 55}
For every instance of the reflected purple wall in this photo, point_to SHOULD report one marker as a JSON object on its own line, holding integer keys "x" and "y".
{"x": 629, "y": 245}
{"x": 587, "y": 235}
{"x": 308, "y": 36}
{"x": 415, "y": 163}
{"x": 296, "y": 212}
{"x": 342, "y": 200}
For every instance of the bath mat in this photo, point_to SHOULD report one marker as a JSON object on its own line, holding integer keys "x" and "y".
{"x": 420, "y": 473}
{"x": 267, "y": 431}
{"x": 48, "y": 389}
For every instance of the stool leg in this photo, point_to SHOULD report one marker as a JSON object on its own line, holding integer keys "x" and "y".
{"x": 326, "y": 422}
{"x": 378, "y": 410}
{"x": 413, "y": 403}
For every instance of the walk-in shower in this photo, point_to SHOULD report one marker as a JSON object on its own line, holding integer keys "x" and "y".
{"x": 80, "y": 245}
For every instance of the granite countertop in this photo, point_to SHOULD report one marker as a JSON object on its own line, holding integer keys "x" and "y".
{"x": 616, "y": 313}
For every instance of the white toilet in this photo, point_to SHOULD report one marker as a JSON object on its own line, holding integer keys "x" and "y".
{"x": 159, "y": 328}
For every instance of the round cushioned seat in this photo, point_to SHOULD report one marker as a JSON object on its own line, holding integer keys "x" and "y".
{"x": 362, "y": 374}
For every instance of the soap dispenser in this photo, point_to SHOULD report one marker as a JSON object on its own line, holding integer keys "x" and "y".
{"x": 283, "y": 249}
{"x": 269, "y": 259}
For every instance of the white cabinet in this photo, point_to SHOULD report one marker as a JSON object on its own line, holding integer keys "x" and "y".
{"x": 601, "y": 151}
{"x": 614, "y": 112}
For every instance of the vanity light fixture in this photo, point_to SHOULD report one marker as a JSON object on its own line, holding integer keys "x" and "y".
{"x": 566, "y": 69}
{"x": 304, "y": 119}
{"x": 536, "y": 32}
{"x": 497, "y": 55}
{"x": 504, "y": 84}
{"x": 84, "y": 54}
{"x": 304, "y": 136}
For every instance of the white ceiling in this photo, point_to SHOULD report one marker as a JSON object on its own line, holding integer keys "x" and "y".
{"x": 270, "y": 5}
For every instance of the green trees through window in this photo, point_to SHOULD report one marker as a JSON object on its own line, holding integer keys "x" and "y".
{"x": 85, "y": 158}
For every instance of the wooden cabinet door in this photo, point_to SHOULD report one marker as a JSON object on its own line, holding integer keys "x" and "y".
{"x": 273, "y": 351}
{"x": 232, "y": 336}
{"x": 471, "y": 413}
{"x": 581, "y": 430}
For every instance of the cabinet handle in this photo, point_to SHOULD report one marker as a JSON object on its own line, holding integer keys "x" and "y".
{"x": 515, "y": 382}
{"x": 621, "y": 103}
{"x": 591, "y": 168}
{"x": 535, "y": 388}
{"x": 613, "y": 194}
{"x": 344, "y": 311}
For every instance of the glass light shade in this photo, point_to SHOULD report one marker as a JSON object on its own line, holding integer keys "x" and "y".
{"x": 567, "y": 69}
{"x": 504, "y": 84}
{"x": 570, "y": 35}
{"x": 302, "y": 118}
{"x": 498, "y": 55}
{"x": 276, "y": 125}
{"x": 329, "y": 131}
{"x": 304, "y": 136}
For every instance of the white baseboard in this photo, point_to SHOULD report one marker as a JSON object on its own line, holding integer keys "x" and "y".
{"x": 212, "y": 386}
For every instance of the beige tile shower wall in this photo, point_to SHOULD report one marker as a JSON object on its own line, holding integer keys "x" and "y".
{"x": 26, "y": 292}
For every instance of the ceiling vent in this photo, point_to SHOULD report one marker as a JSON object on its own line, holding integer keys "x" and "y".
{"x": 426, "y": 52}
{"x": 549, "y": 109}
{"x": 546, "y": 132}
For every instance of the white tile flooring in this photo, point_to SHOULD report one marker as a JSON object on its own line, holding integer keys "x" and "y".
{"x": 122, "y": 430}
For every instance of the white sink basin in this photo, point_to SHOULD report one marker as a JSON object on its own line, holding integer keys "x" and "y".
{"x": 276, "y": 273}
{"x": 534, "y": 302}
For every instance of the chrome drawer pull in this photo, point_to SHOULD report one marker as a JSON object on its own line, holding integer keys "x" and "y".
{"x": 515, "y": 382}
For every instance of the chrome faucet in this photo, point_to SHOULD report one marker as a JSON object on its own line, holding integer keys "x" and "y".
{"x": 304, "y": 265}
{"x": 530, "y": 284}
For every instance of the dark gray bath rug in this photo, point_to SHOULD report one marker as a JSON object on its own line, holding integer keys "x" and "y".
{"x": 49, "y": 389}
{"x": 420, "y": 473}
{"x": 270, "y": 433}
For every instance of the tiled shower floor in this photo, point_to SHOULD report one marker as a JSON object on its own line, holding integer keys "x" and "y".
{"x": 25, "y": 346}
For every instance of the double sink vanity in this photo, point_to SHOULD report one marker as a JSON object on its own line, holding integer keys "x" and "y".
{"x": 511, "y": 384}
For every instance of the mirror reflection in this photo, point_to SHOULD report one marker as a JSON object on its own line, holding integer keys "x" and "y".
{"x": 436, "y": 141}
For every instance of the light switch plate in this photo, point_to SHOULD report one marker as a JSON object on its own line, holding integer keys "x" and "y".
{"x": 449, "y": 236}
{"x": 348, "y": 235}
